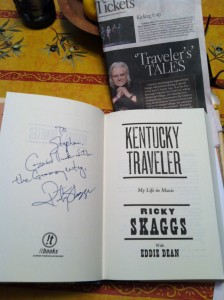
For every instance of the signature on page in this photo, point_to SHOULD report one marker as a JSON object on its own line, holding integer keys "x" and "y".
{"x": 63, "y": 158}
{"x": 54, "y": 168}
{"x": 57, "y": 194}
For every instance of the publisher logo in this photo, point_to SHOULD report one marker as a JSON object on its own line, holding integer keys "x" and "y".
{"x": 49, "y": 240}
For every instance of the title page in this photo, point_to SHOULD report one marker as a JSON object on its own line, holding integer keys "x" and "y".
{"x": 159, "y": 213}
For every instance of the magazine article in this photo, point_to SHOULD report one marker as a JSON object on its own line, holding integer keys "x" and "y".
{"x": 155, "y": 53}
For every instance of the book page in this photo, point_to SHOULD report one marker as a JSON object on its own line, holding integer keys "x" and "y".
{"x": 218, "y": 184}
{"x": 51, "y": 167}
{"x": 159, "y": 212}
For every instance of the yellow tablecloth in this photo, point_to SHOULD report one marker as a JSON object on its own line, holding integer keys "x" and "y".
{"x": 215, "y": 44}
{"x": 64, "y": 61}
{"x": 39, "y": 61}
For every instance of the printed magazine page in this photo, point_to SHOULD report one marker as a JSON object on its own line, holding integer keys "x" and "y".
{"x": 155, "y": 53}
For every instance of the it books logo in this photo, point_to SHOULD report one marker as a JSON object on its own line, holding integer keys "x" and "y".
{"x": 49, "y": 241}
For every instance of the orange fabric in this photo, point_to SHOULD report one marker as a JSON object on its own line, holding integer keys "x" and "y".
{"x": 35, "y": 69}
{"x": 111, "y": 291}
{"x": 215, "y": 40}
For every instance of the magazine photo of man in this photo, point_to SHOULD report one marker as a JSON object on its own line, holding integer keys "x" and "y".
{"x": 124, "y": 96}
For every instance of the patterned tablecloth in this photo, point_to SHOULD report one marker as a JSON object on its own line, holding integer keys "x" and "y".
{"x": 64, "y": 61}
{"x": 60, "y": 60}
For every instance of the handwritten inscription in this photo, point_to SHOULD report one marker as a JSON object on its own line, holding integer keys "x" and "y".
{"x": 62, "y": 160}
{"x": 61, "y": 194}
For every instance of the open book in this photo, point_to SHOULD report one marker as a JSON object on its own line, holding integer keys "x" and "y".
{"x": 85, "y": 196}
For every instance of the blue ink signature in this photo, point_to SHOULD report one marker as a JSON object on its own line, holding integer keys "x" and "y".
{"x": 59, "y": 194}
{"x": 32, "y": 165}
{"x": 61, "y": 151}
{"x": 66, "y": 145}
{"x": 81, "y": 170}
{"x": 19, "y": 179}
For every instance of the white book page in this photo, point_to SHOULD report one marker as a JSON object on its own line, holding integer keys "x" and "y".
{"x": 51, "y": 190}
{"x": 159, "y": 211}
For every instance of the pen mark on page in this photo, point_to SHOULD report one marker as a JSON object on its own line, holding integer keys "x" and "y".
{"x": 63, "y": 149}
{"x": 57, "y": 194}
{"x": 36, "y": 170}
